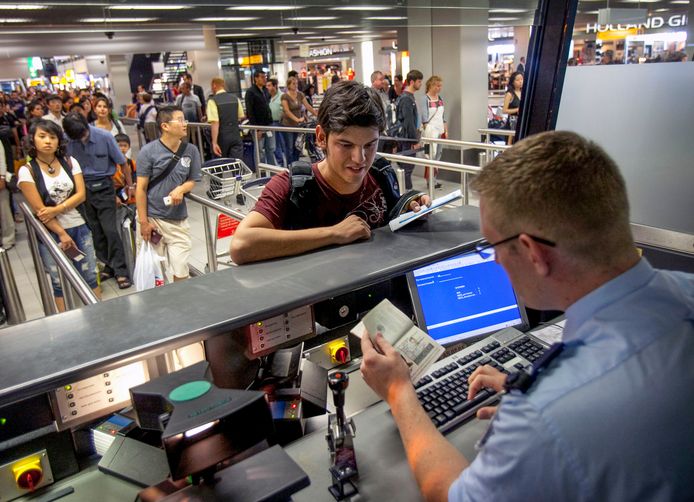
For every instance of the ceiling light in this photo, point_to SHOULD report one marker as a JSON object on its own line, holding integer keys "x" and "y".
{"x": 266, "y": 28}
{"x": 503, "y": 18}
{"x": 385, "y": 18}
{"x": 354, "y": 32}
{"x": 264, "y": 7}
{"x": 312, "y": 18}
{"x": 335, "y": 26}
{"x": 225, "y": 19}
{"x": 16, "y": 20}
{"x": 640, "y": 1}
{"x": 231, "y": 35}
{"x": 320, "y": 37}
{"x": 680, "y": 2}
{"x": 148, "y": 7}
{"x": 506, "y": 11}
{"x": 362, "y": 7}
{"x": 23, "y": 6}
{"x": 117, "y": 19}
{"x": 661, "y": 10}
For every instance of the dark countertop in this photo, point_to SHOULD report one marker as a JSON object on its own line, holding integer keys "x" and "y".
{"x": 44, "y": 354}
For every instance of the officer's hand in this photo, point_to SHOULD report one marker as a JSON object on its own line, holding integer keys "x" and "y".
{"x": 216, "y": 150}
{"x": 416, "y": 205}
{"x": 351, "y": 229}
{"x": 383, "y": 368}
{"x": 485, "y": 377}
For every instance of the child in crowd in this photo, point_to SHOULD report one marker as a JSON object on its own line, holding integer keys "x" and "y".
{"x": 124, "y": 194}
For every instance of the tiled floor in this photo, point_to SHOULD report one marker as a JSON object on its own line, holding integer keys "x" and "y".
{"x": 25, "y": 275}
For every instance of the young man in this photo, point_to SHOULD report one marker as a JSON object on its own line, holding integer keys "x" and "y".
{"x": 607, "y": 419}
{"x": 55, "y": 109}
{"x": 161, "y": 185}
{"x": 224, "y": 112}
{"x": 407, "y": 115}
{"x": 98, "y": 154}
{"x": 348, "y": 199}
{"x": 276, "y": 111}
{"x": 258, "y": 112}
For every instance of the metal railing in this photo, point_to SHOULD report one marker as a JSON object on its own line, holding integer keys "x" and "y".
{"x": 10, "y": 294}
{"x": 71, "y": 281}
{"x": 210, "y": 240}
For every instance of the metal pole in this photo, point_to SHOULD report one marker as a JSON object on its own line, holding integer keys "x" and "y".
{"x": 256, "y": 153}
{"x": 45, "y": 289}
{"x": 400, "y": 175}
{"x": 198, "y": 133}
{"x": 68, "y": 292}
{"x": 13, "y": 303}
{"x": 84, "y": 292}
{"x": 211, "y": 251}
{"x": 466, "y": 188}
{"x": 430, "y": 182}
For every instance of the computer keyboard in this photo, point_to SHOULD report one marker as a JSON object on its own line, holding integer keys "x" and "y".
{"x": 443, "y": 390}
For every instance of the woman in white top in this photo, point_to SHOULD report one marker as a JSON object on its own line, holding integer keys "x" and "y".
{"x": 433, "y": 121}
{"x": 54, "y": 194}
{"x": 104, "y": 117}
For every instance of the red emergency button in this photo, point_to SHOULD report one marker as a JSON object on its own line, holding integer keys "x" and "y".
{"x": 27, "y": 480}
{"x": 341, "y": 355}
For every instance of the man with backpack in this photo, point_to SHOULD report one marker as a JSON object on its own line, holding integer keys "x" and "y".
{"x": 407, "y": 120}
{"x": 167, "y": 169}
{"x": 338, "y": 200}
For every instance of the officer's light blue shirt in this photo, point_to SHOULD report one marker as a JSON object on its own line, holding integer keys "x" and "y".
{"x": 98, "y": 156}
{"x": 612, "y": 418}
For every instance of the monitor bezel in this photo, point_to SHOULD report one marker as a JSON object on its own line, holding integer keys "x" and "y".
{"x": 419, "y": 313}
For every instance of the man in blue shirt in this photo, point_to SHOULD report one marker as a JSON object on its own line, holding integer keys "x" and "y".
{"x": 609, "y": 419}
{"x": 97, "y": 153}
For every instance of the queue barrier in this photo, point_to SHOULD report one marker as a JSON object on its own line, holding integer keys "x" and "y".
{"x": 14, "y": 310}
{"x": 71, "y": 281}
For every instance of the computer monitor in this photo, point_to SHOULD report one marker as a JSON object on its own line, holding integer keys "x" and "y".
{"x": 463, "y": 298}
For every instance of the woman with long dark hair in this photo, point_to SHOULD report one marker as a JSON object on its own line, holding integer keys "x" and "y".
{"x": 103, "y": 109}
{"x": 53, "y": 185}
{"x": 512, "y": 99}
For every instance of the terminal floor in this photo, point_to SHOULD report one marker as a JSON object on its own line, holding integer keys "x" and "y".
{"x": 25, "y": 275}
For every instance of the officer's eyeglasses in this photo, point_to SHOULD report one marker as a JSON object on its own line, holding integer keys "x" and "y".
{"x": 486, "y": 249}
{"x": 178, "y": 121}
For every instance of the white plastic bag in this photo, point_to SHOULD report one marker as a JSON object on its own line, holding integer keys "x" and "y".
{"x": 148, "y": 272}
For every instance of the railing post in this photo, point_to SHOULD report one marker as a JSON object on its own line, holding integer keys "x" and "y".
{"x": 209, "y": 241}
{"x": 13, "y": 303}
{"x": 466, "y": 188}
{"x": 45, "y": 288}
{"x": 68, "y": 292}
{"x": 400, "y": 175}
{"x": 198, "y": 133}
{"x": 256, "y": 152}
{"x": 430, "y": 181}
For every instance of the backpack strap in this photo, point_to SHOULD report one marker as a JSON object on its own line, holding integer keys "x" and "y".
{"x": 169, "y": 167}
{"x": 40, "y": 183}
{"x": 304, "y": 189}
{"x": 302, "y": 193}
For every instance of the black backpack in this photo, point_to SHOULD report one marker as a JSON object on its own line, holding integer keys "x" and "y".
{"x": 303, "y": 193}
{"x": 396, "y": 129}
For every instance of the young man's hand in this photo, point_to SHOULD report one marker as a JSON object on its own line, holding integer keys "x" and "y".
{"x": 416, "y": 205}
{"x": 216, "y": 149}
{"x": 351, "y": 229}
{"x": 383, "y": 368}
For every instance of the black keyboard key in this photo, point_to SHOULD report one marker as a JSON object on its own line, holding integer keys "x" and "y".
{"x": 428, "y": 407}
{"x": 441, "y": 419}
{"x": 449, "y": 414}
{"x": 423, "y": 381}
{"x": 471, "y": 403}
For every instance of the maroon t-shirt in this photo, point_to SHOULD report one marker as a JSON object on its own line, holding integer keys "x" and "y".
{"x": 368, "y": 202}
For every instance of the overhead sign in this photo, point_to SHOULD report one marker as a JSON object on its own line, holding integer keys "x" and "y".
{"x": 652, "y": 23}
{"x": 251, "y": 60}
{"x": 324, "y": 51}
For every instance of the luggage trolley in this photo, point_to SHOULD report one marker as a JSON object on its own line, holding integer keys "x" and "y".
{"x": 229, "y": 181}
{"x": 224, "y": 178}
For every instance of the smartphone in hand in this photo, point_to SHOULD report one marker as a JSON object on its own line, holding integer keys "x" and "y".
{"x": 155, "y": 237}
{"x": 75, "y": 254}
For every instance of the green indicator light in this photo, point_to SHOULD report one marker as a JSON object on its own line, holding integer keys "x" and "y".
{"x": 68, "y": 387}
{"x": 3, "y": 421}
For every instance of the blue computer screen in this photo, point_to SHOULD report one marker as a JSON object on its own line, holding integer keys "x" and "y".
{"x": 464, "y": 297}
